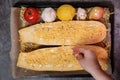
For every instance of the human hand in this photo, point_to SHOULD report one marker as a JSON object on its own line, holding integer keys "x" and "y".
{"x": 87, "y": 59}
{"x": 89, "y": 62}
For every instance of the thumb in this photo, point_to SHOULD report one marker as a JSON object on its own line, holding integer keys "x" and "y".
{"x": 79, "y": 56}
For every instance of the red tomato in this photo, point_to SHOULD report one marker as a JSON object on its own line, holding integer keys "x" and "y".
{"x": 31, "y": 15}
{"x": 96, "y": 13}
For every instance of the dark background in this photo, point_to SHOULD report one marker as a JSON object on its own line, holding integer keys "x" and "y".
{"x": 5, "y": 41}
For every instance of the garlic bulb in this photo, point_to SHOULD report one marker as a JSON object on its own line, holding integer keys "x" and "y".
{"x": 81, "y": 14}
{"x": 48, "y": 14}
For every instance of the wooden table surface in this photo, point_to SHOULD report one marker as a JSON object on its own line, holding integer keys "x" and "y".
{"x": 5, "y": 42}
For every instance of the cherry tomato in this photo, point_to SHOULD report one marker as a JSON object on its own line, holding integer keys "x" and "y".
{"x": 31, "y": 15}
{"x": 96, "y": 13}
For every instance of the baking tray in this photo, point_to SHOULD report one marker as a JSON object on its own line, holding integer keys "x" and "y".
{"x": 19, "y": 72}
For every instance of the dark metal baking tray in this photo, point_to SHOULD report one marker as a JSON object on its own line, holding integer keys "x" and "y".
{"x": 55, "y": 4}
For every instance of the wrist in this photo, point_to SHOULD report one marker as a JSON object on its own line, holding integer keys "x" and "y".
{"x": 100, "y": 75}
{"x": 95, "y": 70}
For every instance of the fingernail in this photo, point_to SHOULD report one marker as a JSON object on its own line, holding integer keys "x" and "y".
{"x": 76, "y": 55}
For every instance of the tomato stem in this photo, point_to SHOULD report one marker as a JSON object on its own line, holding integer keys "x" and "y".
{"x": 29, "y": 13}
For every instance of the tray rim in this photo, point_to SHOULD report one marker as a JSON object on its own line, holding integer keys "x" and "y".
{"x": 26, "y": 4}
